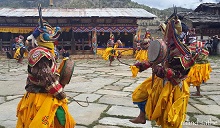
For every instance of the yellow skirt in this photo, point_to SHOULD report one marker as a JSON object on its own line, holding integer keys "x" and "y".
{"x": 37, "y": 110}
{"x": 166, "y": 104}
{"x": 141, "y": 55}
{"x": 17, "y": 54}
{"x": 198, "y": 74}
{"x": 107, "y": 53}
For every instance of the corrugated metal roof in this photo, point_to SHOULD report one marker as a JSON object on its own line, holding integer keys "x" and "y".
{"x": 99, "y": 12}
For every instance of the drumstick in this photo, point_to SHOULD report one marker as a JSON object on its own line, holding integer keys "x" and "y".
{"x": 122, "y": 62}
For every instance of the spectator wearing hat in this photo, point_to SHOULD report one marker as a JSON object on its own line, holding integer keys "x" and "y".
{"x": 215, "y": 44}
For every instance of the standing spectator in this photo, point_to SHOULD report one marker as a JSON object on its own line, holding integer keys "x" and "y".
{"x": 56, "y": 43}
{"x": 215, "y": 44}
{"x": 14, "y": 44}
{"x": 208, "y": 45}
{"x": 57, "y": 54}
{"x": 191, "y": 36}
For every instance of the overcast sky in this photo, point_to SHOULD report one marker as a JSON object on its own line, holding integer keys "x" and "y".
{"x": 163, "y": 4}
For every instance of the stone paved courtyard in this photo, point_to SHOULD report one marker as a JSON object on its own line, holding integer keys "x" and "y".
{"x": 109, "y": 95}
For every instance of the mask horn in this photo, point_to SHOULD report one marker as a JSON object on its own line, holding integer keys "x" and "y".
{"x": 40, "y": 15}
{"x": 175, "y": 12}
{"x": 173, "y": 15}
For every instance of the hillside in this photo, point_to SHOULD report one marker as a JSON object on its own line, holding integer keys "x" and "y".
{"x": 162, "y": 14}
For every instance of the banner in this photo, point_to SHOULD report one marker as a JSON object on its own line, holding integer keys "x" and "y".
{"x": 106, "y": 29}
{"x": 82, "y": 29}
{"x": 116, "y": 29}
{"x": 21, "y": 30}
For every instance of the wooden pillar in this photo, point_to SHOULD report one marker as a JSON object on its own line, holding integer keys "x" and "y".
{"x": 94, "y": 42}
{"x": 73, "y": 43}
{"x": 83, "y": 42}
{"x": 1, "y": 45}
{"x": 10, "y": 47}
{"x": 51, "y": 3}
{"x": 201, "y": 35}
{"x": 134, "y": 43}
{"x": 11, "y": 42}
{"x": 62, "y": 43}
{"x": 90, "y": 38}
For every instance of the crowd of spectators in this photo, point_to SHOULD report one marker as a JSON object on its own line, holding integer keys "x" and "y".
{"x": 212, "y": 44}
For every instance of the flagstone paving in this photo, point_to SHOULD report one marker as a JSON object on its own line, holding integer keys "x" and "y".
{"x": 108, "y": 91}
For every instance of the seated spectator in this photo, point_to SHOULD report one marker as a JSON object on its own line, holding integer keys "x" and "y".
{"x": 87, "y": 48}
{"x": 9, "y": 56}
{"x": 65, "y": 54}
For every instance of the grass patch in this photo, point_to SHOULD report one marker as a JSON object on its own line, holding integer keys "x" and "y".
{"x": 190, "y": 114}
{"x": 192, "y": 119}
{"x": 199, "y": 101}
{"x": 214, "y": 57}
{"x": 153, "y": 123}
{"x": 218, "y": 116}
{"x": 93, "y": 124}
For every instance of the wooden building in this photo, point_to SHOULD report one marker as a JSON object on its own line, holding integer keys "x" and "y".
{"x": 205, "y": 19}
{"x": 78, "y": 25}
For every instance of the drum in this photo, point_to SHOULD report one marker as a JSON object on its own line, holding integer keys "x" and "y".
{"x": 66, "y": 71}
{"x": 157, "y": 51}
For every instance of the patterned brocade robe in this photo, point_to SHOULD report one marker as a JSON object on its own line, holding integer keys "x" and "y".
{"x": 42, "y": 75}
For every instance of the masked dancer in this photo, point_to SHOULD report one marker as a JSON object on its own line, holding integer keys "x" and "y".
{"x": 44, "y": 105}
{"x": 141, "y": 53}
{"x": 200, "y": 72}
{"x": 164, "y": 97}
{"x": 21, "y": 50}
{"x": 111, "y": 51}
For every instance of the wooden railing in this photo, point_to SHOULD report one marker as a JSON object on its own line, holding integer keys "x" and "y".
{"x": 75, "y": 46}
{"x": 6, "y": 46}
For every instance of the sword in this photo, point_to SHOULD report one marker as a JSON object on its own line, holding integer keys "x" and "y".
{"x": 40, "y": 15}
